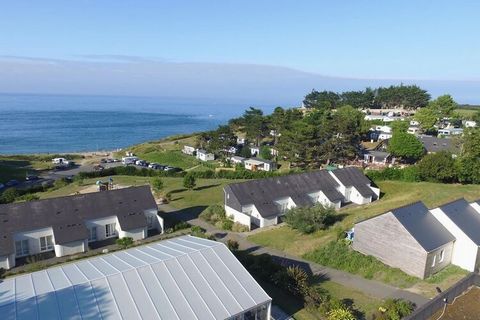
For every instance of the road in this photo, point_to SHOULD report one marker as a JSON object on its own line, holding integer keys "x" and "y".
{"x": 373, "y": 288}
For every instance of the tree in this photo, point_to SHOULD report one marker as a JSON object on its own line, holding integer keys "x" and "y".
{"x": 400, "y": 126}
{"x": 157, "y": 184}
{"x": 9, "y": 195}
{"x": 221, "y": 139}
{"x": 426, "y": 117}
{"x": 406, "y": 146}
{"x": 255, "y": 124}
{"x": 408, "y": 97}
{"x": 358, "y": 99}
{"x": 443, "y": 106}
{"x": 308, "y": 220}
{"x": 324, "y": 100}
{"x": 265, "y": 153}
{"x": 469, "y": 161}
{"x": 189, "y": 181}
{"x": 438, "y": 167}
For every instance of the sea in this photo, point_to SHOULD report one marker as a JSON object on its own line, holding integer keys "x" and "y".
{"x": 66, "y": 123}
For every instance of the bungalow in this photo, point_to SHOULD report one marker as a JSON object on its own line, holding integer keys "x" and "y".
{"x": 380, "y": 158}
{"x": 66, "y": 225}
{"x": 181, "y": 278}
{"x": 408, "y": 238}
{"x": 189, "y": 150}
{"x": 254, "y": 151}
{"x": 203, "y": 155}
{"x": 257, "y": 164}
{"x": 237, "y": 160}
{"x": 450, "y": 131}
{"x": 463, "y": 221}
{"x": 470, "y": 124}
{"x": 434, "y": 144}
{"x": 380, "y": 133}
{"x": 261, "y": 203}
{"x": 413, "y": 130}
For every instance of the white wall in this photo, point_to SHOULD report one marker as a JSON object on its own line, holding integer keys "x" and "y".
{"x": 70, "y": 248}
{"x": 7, "y": 262}
{"x": 33, "y": 238}
{"x": 357, "y": 198}
{"x": 158, "y": 225}
{"x": 101, "y": 223}
{"x": 135, "y": 234}
{"x": 464, "y": 250}
{"x": 238, "y": 216}
{"x": 341, "y": 188}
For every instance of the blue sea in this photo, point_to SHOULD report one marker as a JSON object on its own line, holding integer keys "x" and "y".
{"x": 57, "y": 124}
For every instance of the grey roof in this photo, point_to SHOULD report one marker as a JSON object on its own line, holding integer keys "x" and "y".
{"x": 423, "y": 226}
{"x": 66, "y": 215}
{"x": 181, "y": 278}
{"x": 264, "y": 192}
{"x": 261, "y": 160}
{"x": 379, "y": 155}
{"x": 353, "y": 177}
{"x": 465, "y": 217}
{"x": 434, "y": 144}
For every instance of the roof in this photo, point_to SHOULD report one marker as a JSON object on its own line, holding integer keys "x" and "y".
{"x": 203, "y": 151}
{"x": 237, "y": 158}
{"x": 66, "y": 215}
{"x": 379, "y": 155}
{"x": 264, "y": 192}
{"x": 353, "y": 177}
{"x": 465, "y": 217}
{"x": 423, "y": 226}
{"x": 180, "y": 278}
{"x": 259, "y": 160}
{"x": 434, "y": 144}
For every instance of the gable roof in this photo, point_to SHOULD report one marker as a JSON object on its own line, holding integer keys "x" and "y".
{"x": 255, "y": 159}
{"x": 465, "y": 217}
{"x": 434, "y": 144}
{"x": 353, "y": 177}
{"x": 180, "y": 278}
{"x": 66, "y": 215}
{"x": 423, "y": 226}
{"x": 263, "y": 192}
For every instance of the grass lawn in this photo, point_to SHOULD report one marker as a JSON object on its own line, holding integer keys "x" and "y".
{"x": 17, "y": 169}
{"x": 396, "y": 193}
{"x": 207, "y": 191}
{"x": 467, "y": 112}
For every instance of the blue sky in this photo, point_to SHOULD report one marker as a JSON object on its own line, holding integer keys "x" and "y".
{"x": 400, "y": 40}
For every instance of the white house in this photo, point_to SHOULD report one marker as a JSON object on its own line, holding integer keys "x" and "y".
{"x": 450, "y": 131}
{"x": 66, "y": 225}
{"x": 181, "y": 278}
{"x": 189, "y": 150}
{"x": 413, "y": 130}
{"x": 263, "y": 202}
{"x": 237, "y": 160}
{"x": 463, "y": 221}
{"x": 470, "y": 124}
{"x": 257, "y": 164}
{"x": 203, "y": 155}
{"x": 254, "y": 151}
{"x": 241, "y": 141}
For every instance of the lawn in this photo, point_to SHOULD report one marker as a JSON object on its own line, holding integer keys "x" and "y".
{"x": 18, "y": 169}
{"x": 207, "y": 191}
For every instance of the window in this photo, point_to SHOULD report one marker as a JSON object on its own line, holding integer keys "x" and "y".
{"x": 92, "y": 234}
{"x": 46, "y": 243}
{"x": 433, "y": 262}
{"x": 21, "y": 248}
{"x": 441, "y": 255}
{"x": 110, "y": 230}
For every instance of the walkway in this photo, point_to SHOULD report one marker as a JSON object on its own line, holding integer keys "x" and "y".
{"x": 370, "y": 287}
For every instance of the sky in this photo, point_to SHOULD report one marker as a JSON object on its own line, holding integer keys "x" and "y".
{"x": 211, "y": 45}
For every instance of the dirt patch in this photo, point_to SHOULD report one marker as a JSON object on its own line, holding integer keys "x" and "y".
{"x": 94, "y": 188}
{"x": 465, "y": 307}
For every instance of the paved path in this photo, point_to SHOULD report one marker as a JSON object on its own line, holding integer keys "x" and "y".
{"x": 370, "y": 287}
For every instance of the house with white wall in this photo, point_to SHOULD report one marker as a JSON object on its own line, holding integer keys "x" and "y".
{"x": 463, "y": 221}
{"x": 204, "y": 155}
{"x": 66, "y": 225}
{"x": 189, "y": 150}
{"x": 263, "y": 202}
{"x": 257, "y": 164}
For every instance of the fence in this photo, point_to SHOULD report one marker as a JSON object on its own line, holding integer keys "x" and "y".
{"x": 427, "y": 310}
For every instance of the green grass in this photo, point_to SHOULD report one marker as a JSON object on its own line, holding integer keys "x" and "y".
{"x": 172, "y": 158}
{"x": 339, "y": 255}
{"x": 446, "y": 273}
{"x": 467, "y": 112}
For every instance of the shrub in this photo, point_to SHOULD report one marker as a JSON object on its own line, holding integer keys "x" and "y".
{"x": 238, "y": 227}
{"x": 232, "y": 245}
{"x": 157, "y": 184}
{"x": 29, "y": 197}
{"x": 394, "y": 309}
{"x": 438, "y": 167}
{"x": 180, "y": 226}
{"x": 213, "y": 213}
{"x": 125, "y": 242}
{"x": 308, "y": 220}
{"x": 9, "y": 195}
{"x": 340, "y": 313}
{"x": 189, "y": 181}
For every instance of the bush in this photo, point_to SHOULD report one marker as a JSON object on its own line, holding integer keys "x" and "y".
{"x": 28, "y": 197}
{"x": 438, "y": 167}
{"x": 232, "y": 245}
{"x": 9, "y": 195}
{"x": 189, "y": 181}
{"x": 213, "y": 213}
{"x": 238, "y": 227}
{"x": 394, "y": 309}
{"x": 180, "y": 226}
{"x": 157, "y": 184}
{"x": 340, "y": 313}
{"x": 308, "y": 220}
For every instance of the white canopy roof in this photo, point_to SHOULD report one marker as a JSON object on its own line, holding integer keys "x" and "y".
{"x": 179, "y": 278}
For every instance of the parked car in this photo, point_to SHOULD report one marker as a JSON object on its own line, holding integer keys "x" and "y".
{"x": 141, "y": 163}
{"x": 103, "y": 160}
{"x": 110, "y": 160}
{"x": 2, "y": 186}
{"x": 117, "y": 160}
{"x": 169, "y": 168}
{"x": 11, "y": 183}
{"x": 153, "y": 165}
{"x": 98, "y": 168}
{"x": 31, "y": 177}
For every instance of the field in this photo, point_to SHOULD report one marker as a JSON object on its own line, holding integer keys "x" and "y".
{"x": 11, "y": 168}
{"x": 207, "y": 191}
{"x": 395, "y": 194}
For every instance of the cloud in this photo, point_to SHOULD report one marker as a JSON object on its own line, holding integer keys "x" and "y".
{"x": 138, "y": 76}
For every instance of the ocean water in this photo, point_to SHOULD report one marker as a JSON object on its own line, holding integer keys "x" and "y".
{"x": 53, "y": 124}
